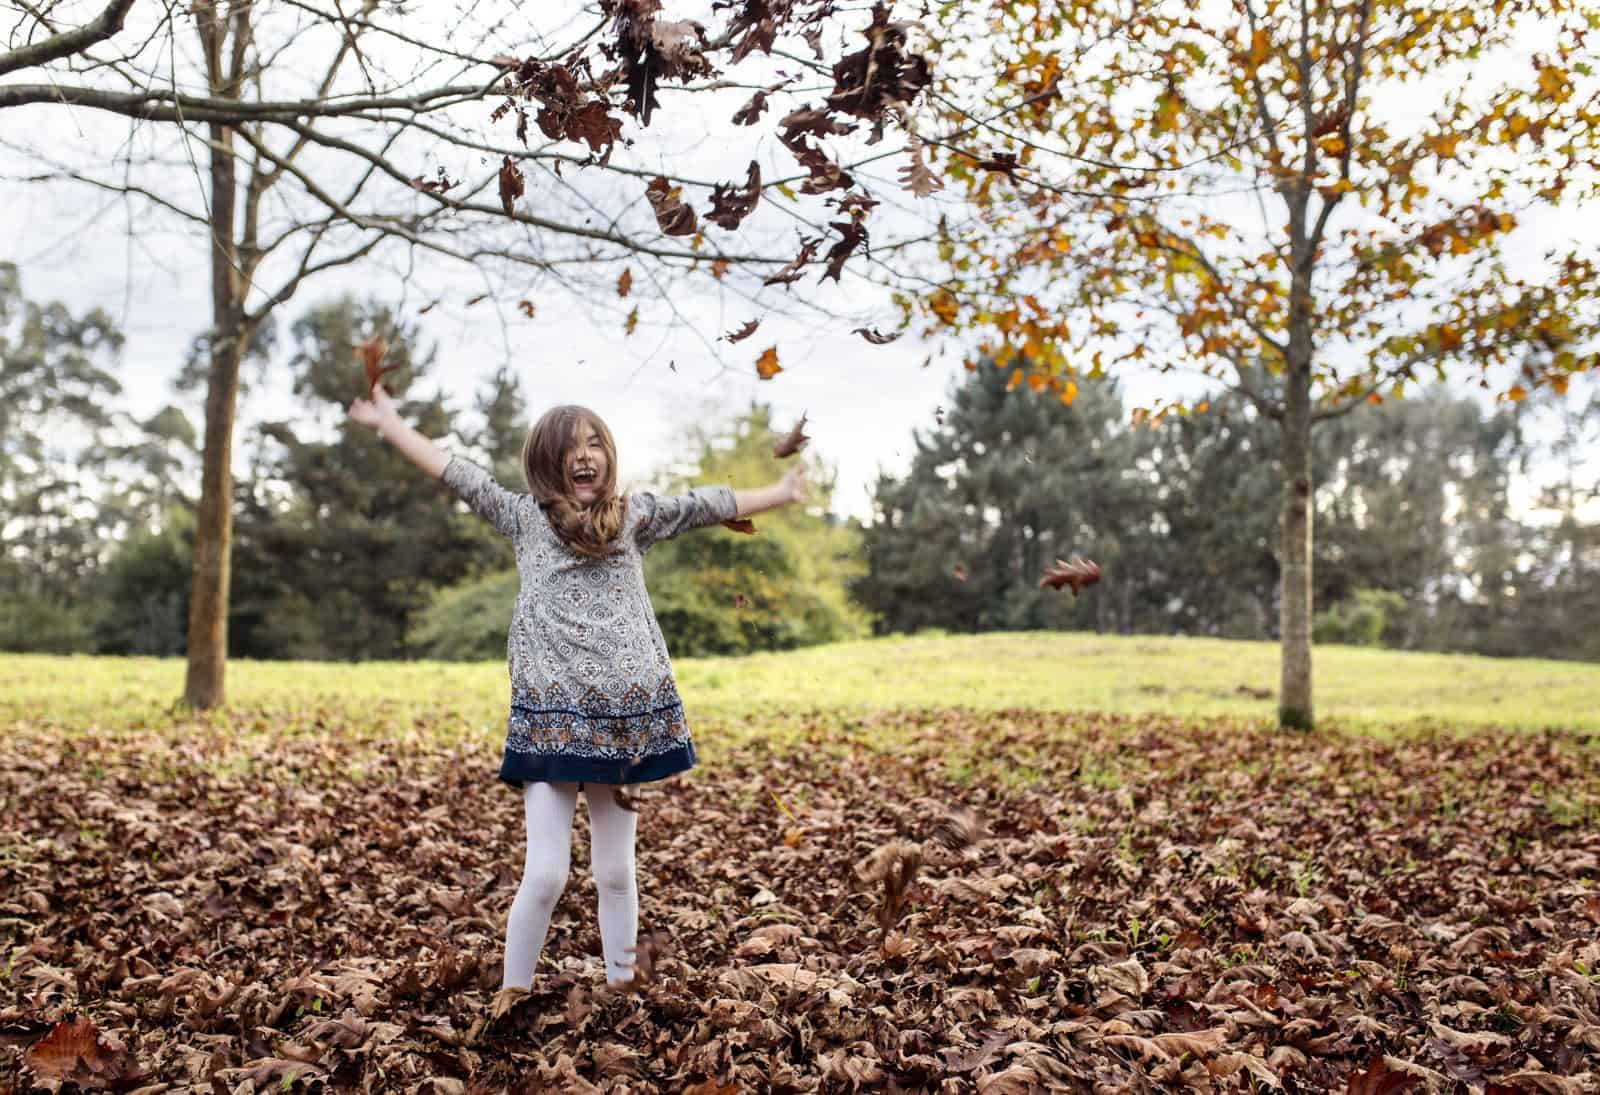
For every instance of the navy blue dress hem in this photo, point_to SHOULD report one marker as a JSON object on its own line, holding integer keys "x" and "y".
{"x": 517, "y": 769}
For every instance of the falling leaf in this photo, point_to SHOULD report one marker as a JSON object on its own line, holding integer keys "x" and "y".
{"x": 915, "y": 176}
{"x": 895, "y": 865}
{"x": 875, "y": 337}
{"x": 792, "y": 442}
{"x": 1331, "y": 121}
{"x": 751, "y": 112}
{"x": 631, "y": 322}
{"x": 437, "y": 185}
{"x": 1073, "y": 575}
{"x": 739, "y": 601}
{"x": 477, "y": 299}
{"x": 511, "y": 185}
{"x": 853, "y": 235}
{"x": 958, "y": 572}
{"x": 730, "y": 204}
{"x": 791, "y": 272}
{"x": 767, "y": 365}
{"x": 1005, "y": 163}
{"x": 371, "y": 354}
{"x": 625, "y": 282}
{"x": 673, "y": 217}
{"x": 743, "y": 332}
{"x": 740, "y": 524}
{"x": 527, "y": 308}
{"x": 719, "y": 267}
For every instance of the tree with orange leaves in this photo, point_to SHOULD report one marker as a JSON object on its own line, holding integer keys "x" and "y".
{"x": 1250, "y": 193}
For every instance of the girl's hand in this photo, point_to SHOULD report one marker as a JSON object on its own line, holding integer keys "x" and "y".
{"x": 374, "y": 412}
{"x": 794, "y": 484}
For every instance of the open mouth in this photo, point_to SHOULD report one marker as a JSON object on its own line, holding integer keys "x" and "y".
{"x": 583, "y": 477}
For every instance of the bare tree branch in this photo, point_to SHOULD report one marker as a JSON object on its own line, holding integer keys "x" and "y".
{"x": 108, "y": 23}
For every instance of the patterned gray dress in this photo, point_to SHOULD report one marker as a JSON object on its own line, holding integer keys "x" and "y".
{"x": 592, "y": 693}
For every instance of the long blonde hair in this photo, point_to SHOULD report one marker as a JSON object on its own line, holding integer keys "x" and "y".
{"x": 587, "y": 530}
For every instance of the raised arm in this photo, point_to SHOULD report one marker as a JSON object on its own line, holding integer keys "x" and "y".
{"x": 791, "y": 488}
{"x": 380, "y": 414}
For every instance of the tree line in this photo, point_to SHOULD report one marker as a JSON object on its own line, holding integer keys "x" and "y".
{"x": 343, "y": 553}
{"x": 1421, "y": 542}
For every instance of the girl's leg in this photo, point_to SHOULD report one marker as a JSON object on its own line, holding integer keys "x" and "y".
{"x": 548, "y": 808}
{"x": 611, "y": 832}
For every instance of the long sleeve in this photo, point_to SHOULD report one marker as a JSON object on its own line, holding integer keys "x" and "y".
{"x": 485, "y": 497}
{"x": 663, "y": 516}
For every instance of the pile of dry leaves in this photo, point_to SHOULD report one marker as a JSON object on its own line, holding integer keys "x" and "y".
{"x": 1084, "y": 903}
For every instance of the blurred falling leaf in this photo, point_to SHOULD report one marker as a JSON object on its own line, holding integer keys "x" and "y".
{"x": 371, "y": 354}
{"x": 793, "y": 441}
{"x": 625, "y": 282}
{"x": 1073, "y": 575}
{"x": 731, "y": 204}
{"x": 740, "y": 524}
{"x": 527, "y": 308}
{"x": 511, "y": 185}
{"x": 673, "y": 217}
{"x": 875, "y": 337}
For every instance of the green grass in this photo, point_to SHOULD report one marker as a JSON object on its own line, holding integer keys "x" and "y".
{"x": 1355, "y": 687}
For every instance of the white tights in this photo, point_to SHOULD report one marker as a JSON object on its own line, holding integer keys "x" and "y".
{"x": 549, "y": 808}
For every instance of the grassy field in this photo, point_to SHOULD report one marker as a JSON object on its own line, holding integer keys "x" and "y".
{"x": 1047, "y": 671}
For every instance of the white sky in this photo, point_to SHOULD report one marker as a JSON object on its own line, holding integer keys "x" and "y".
{"x": 863, "y": 401}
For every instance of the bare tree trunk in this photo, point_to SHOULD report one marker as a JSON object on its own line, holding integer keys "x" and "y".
{"x": 1294, "y": 608}
{"x": 204, "y": 686}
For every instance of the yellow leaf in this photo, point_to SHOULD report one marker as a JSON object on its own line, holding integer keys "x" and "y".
{"x": 1559, "y": 384}
{"x": 1332, "y": 144}
{"x": 1016, "y": 378}
{"x": 631, "y": 322}
{"x": 1036, "y": 381}
{"x": 1260, "y": 47}
{"x": 767, "y": 365}
{"x": 1069, "y": 392}
{"x": 1517, "y": 393}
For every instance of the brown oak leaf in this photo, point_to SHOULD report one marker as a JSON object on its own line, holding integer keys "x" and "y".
{"x": 793, "y": 441}
{"x": 730, "y": 204}
{"x": 876, "y": 337}
{"x": 72, "y": 1052}
{"x": 511, "y": 185}
{"x": 743, "y": 332}
{"x": 371, "y": 354}
{"x": 674, "y": 218}
{"x": 1379, "y": 1079}
{"x": 1074, "y": 575}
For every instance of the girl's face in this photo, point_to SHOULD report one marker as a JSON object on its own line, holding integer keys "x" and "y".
{"x": 586, "y": 464}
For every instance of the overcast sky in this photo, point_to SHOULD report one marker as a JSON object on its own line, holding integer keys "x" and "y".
{"x": 863, "y": 401}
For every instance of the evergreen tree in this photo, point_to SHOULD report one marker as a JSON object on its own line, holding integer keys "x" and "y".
{"x": 339, "y": 543}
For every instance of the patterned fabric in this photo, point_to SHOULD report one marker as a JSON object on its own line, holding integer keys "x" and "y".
{"x": 592, "y": 692}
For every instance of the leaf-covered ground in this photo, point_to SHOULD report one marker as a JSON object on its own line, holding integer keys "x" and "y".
{"x": 998, "y": 902}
